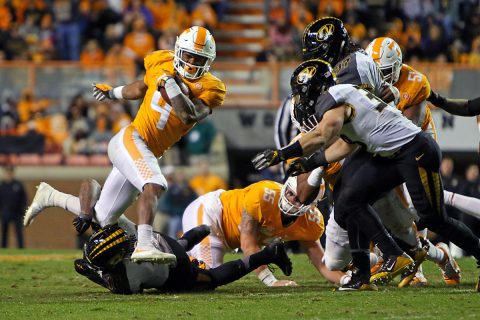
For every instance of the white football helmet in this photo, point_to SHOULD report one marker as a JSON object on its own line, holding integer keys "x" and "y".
{"x": 388, "y": 55}
{"x": 289, "y": 189}
{"x": 197, "y": 41}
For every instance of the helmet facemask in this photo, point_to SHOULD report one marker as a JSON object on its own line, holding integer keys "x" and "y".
{"x": 189, "y": 70}
{"x": 289, "y": 203}
{"x": 195, "y": 43}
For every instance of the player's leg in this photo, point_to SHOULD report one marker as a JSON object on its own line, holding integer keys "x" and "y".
{"x": 337, "y": 248}
{"x": 420, "y": 168}
{"x": 206, "y": 210}
{"x": 234, "y": 270}
{"x": 193, "y": 237}
{"x": 139, "y": 167}
{"x": 47, "y": 196}
{"x": 362, "y": 181}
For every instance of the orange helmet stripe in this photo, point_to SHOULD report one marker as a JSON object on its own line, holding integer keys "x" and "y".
{"x": 377, "y": 44}
{"x": 200, "y": 38}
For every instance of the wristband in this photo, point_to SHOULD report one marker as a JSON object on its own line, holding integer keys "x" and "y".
{"x": 267, "y": 277}
{"x": 117, "y": 92}
{"x": 292, "y": 151}
{"x": 315, "y": 177}
{"x": 345, "y": 278}
{"x": 473, "y": 106}
{"x": 172, "y": 88}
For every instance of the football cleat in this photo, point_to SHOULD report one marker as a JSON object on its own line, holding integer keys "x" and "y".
{"x": 377, "y": 266}
{"x": 449, "y": 267}
{"x": 418, "y": 281}
{"x": 42, "y": 200}
{"x": 358, "y": 283}
{"x": 280, "y": 257}
{"x": 152, "y": 254}
{"x": 419, "y": 255}
{"x": 393, "y": 266}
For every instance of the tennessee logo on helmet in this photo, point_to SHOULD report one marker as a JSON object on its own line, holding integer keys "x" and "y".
{"x": 325, "y": 32}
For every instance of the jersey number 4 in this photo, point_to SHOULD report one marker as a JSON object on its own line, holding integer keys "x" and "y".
{"x": 163, "y": 110}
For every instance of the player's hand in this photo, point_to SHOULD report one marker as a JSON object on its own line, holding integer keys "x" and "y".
{"x": 266, "y": 159}
{"x": 82, "y": 223}
{"x": 162, "y": 80}
{"x": 284, "y": 283}
{"x": 299, "y": 166}
{"x": 102, "y": 91}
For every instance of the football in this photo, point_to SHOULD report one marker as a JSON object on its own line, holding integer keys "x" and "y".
{"x": 183, "y": 87}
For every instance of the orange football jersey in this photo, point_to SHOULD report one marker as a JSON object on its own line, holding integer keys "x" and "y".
{"x": 156, "y": 121}
{"x": 260, "y": 201}
{"x": 414, "y": 88}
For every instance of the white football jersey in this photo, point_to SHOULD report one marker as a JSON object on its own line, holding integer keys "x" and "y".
{"x": 379, "y": 127}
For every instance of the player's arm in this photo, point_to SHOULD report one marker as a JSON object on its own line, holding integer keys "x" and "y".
{"x": 315, "y": 253}
{"x": 324, "y": 134}
{"x": 249, "y": 232}
{"x": 414, "y": 112}
{"x": 459, "y": 107}
{"x": 133, "y": 91}
{"x": 189, "y": 110}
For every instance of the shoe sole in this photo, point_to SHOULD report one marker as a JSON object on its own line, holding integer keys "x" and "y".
{"x": 389, "y": 277}
{"x": 406, "y": 281}
{"x": 167, "y": 259}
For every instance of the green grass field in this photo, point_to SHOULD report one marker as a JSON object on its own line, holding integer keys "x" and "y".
{"x": 40, "y": 284}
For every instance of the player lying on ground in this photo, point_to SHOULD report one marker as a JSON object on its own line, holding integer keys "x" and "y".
{"x": 254, "y": 216}
{"x": 106, "y": 254}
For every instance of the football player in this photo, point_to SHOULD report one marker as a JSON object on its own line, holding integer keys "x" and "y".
{"x": 106, "y": 254}
{"x": 380, "y": 141}
{"x": 327, "y": 39}
{"x": 177, "y": 91}
{"x": 254, "y": 216}
{"x": 415, "y": 90}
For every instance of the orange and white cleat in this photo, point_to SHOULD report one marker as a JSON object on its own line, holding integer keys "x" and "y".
{"x": 449, "y": 267}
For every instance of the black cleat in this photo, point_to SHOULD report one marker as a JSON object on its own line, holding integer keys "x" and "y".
{"x": 280, "y": 257}
{"x": 358, "y": 283}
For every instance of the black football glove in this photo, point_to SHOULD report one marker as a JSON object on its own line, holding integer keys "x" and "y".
{"x": 303, "y": 165}
{"x": 266, "y": 159}
{"x": 299, "y": 166}
{"x": 82, "y": 223}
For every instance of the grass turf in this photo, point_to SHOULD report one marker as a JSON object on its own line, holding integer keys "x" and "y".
{"x": 40, "y": 284}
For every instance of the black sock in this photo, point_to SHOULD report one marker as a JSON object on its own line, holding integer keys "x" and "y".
{"x": 228, "y": 272}
{"x": 373, "y": 227}
{"x": 258, "y": 259}
{"x": 193, "y": 237}
{"x": 361, "y": 260}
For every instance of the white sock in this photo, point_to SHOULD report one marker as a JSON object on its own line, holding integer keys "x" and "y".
{"x": 66, "y": 201}
{"x": 145, "y": 235}
{"x": 435, "y": 254}
{"x": 468, "y": 205}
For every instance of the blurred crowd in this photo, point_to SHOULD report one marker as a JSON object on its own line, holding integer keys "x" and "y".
{"x": 95, "y": 31}
{"x": 427, "y": 30}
